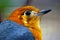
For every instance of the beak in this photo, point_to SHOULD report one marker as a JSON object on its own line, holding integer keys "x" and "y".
{"x": 42, "y": 12}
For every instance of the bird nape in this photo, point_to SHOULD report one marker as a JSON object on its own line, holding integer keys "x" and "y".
{"x": 29, "y": 17}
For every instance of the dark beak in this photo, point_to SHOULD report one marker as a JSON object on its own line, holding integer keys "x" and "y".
{"x": 42, "y": 12}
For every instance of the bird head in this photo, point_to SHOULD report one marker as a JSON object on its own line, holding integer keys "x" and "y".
{"x": 28, "y": 16}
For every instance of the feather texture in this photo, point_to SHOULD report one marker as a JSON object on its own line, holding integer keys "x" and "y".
{"x": 10, "y": 30}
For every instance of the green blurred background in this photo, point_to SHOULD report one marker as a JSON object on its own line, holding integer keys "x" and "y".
{"x": 8, "y": 6}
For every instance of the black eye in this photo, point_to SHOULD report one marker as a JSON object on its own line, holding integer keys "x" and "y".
{"x": 28, "y": 13}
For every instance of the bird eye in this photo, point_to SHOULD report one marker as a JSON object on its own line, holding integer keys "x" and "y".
{"x": 28, "y": 12}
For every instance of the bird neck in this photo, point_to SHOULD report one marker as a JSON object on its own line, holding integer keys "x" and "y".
{"x": 15, "y": 19}
{"x": 36, "y": 30}
{"x": 35, "y": 24}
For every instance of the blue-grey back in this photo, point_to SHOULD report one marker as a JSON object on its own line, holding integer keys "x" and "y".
{"x": 10, "y": 30}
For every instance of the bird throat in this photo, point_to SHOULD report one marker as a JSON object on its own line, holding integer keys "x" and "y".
{"x": 34, "y": 27}
{"x": 33, "y": 23}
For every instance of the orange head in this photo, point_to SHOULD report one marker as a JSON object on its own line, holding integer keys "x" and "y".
{"x": 27, "y": 16}
{"x": 16, "y": 16}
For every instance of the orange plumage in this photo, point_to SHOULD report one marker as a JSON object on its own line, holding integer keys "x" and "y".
{"x": 32, "y": 23}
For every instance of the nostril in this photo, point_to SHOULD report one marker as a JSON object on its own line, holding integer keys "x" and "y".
{"x": 28, "y": 13}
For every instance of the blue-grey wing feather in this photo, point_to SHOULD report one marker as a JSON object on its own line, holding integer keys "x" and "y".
{"x": 10, "y": 30}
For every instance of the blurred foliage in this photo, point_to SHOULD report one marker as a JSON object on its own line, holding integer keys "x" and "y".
{"x": 8, "y": 6}
{"x": 3, "y": 4}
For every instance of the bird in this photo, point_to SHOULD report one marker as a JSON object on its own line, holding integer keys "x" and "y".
{"x": 23, "y": 24}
